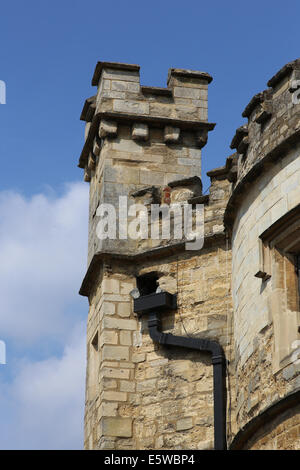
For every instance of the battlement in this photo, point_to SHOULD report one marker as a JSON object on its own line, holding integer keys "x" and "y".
{"x": 120, "y": 97}
{"x": 273, "y": 120}
{"x": 140, "y": 136}
{"x": 272, "y": 130}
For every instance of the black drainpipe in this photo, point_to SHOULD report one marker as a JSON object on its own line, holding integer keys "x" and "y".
{"x": 218, "y": 362}
{"x": 154, "y": 303}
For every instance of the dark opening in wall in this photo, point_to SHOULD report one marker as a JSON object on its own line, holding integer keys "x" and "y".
{"x": 95, "y": 342}
{"x": 148, "y": 283}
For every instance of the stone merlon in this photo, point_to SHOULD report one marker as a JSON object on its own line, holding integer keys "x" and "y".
{"x": 121, "y": 99}
{"x": 241, "y": 132}
{"x": 284, "y": 72}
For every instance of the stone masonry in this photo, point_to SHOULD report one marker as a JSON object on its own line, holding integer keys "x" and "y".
{"x": 144, "y": 144}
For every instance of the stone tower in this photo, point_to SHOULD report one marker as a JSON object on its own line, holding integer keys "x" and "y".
{"x": 145, "y": 143}
{"x": 240, "y": 290}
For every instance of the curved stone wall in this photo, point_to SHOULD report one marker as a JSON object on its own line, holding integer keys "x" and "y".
{"x": 266, "y": 310}
{"x": 282, "y": 433}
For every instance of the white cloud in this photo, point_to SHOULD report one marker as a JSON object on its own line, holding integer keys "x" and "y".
{"x": 43, "y": 407}
{"x": 43, "y": 244}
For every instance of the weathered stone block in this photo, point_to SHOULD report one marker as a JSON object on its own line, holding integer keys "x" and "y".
{"x": 117, "y": 373}
{"x": 110, "y": 286}
{"x": 140, "y": 131}
{"x": 126, "y": 145}
{"x": 108, "y": 409}
{"x": 106, "y": 84}
{"x": 118, "y": 427}
{"x": 114, "y": 396}
{"x": 125, "y": 338}
{"x": 117, "y": 353}
{"x": 183, "y": 92}
{"x": 113, "y": 94}
{"x": 133, "y": 87}
{"x": 124, "y": 309}
{"x": 108, "y": 337}
{"x": 184, "y": 423}
{"x": 106, "y": 443}
{"x": 171, "y": 134}
{"x": 96, "y": 148}
{"x": 91, "y": 163}
{"x": 126, "y": 287}
{"x": 108, "y": 308}
{"x": 131, "y": 107}
{"x": 119, "y": 324}
{"x": 152, "y": 177}
{"x": 149, "y": 384}
{"x": 137, "y": 338}
{"x": 87, "y": 130}
{"x": 107, "y": 128}
{"x": 128, "y": 76}
{"x": 126, "y": 386}
{"x": 119, "y": 85}
{"x": 108, "y": 384}
{"x": 138, "y": 357}
{"x": 87, "y": 175}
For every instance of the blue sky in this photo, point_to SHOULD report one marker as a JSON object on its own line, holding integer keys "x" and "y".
{"x": 48, "y": 53}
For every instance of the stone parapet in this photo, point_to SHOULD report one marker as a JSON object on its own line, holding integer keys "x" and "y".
{"x": 120, "y": 96}
{"x": 273, "y": 128}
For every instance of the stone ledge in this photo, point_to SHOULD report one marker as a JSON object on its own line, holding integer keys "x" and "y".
{"x": 153, "y": 121}
{"x": 240, "y": 133}
{"x": 283, "y": 72}
{"x": 221, "y": 171}
{"x": 204, "y": 199}
{"x": 132, "y": 259}
{"x": 147, "y": 189}
{"x": 112, "y": 65}
{"x": 257, "y": 99}
{"x": 157, "y": 121}
{"x": 189, "y": 181}
{"x": 231, "y": 166}
{"x": 88, "y": 109}
{"x": 189, "y": 74}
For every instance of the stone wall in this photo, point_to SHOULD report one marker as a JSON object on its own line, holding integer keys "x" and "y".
{"x": 124, "y": 166}
{"x": 150, "y": 397}
{"x": 111, "y": 321}
{"x": 265, "y": 297}
{"x": 145, "y": 143}
{"x": 174, "y": 403}
{"x": 281, "y": 434}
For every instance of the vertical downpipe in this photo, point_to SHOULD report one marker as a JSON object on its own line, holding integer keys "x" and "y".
{"x": 219, "y": 402}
